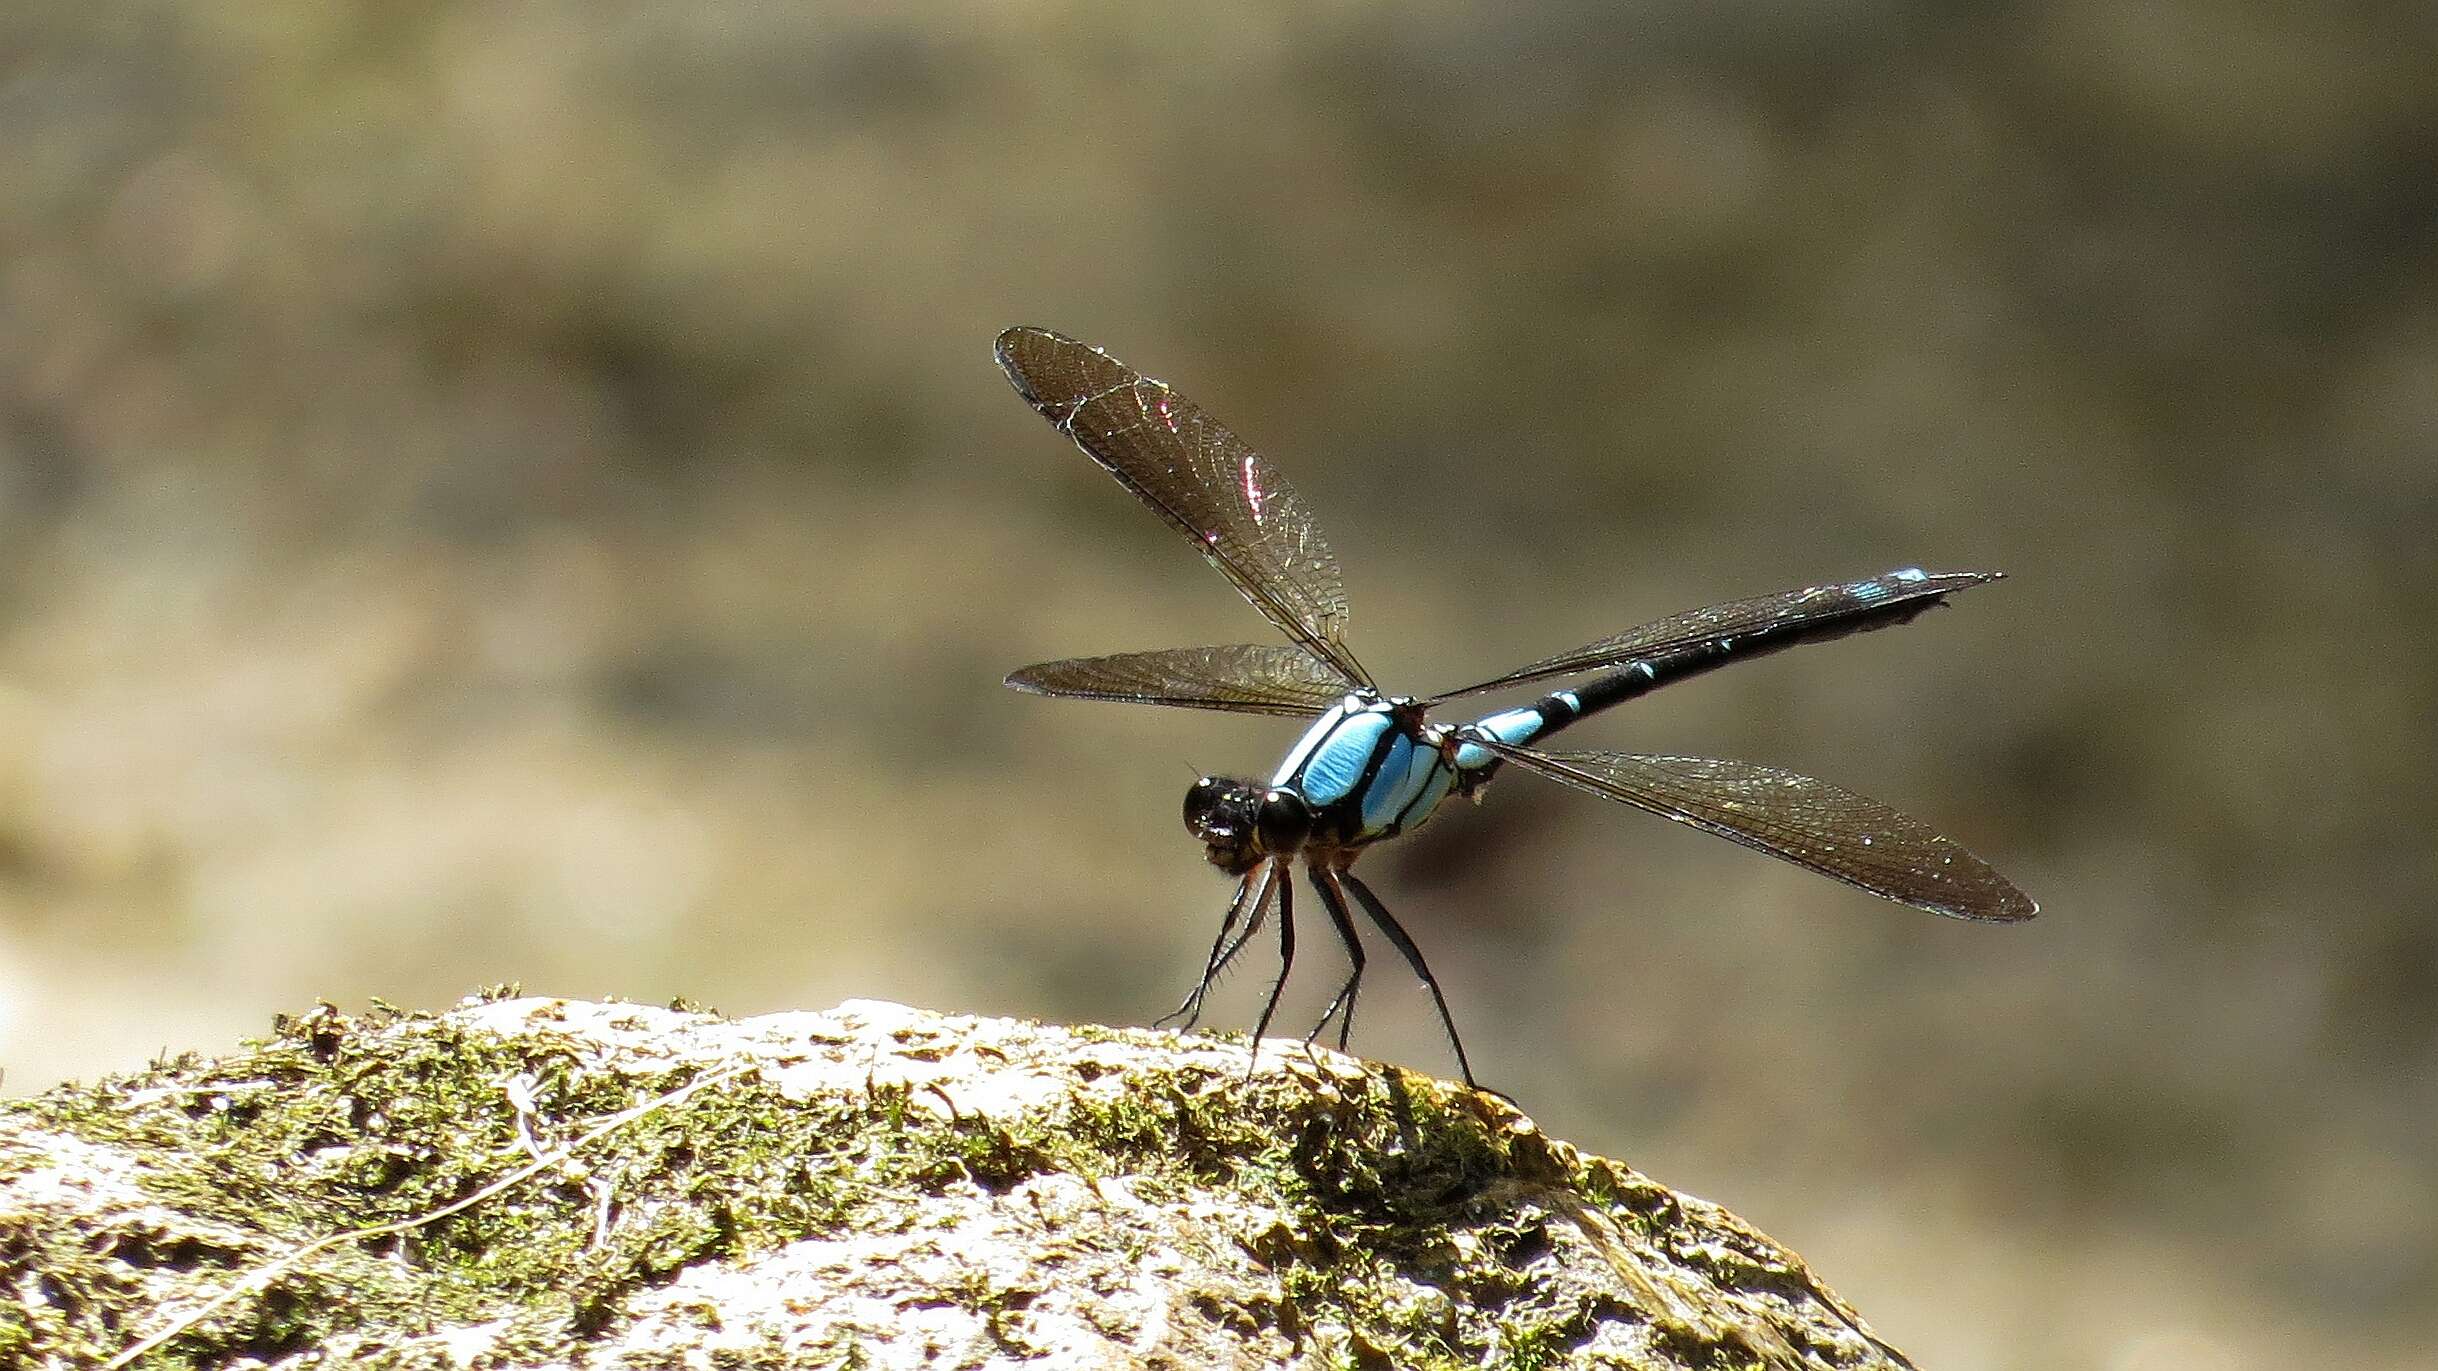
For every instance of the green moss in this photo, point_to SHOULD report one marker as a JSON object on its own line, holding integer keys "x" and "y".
{"x": 1391, "y": 1246}
{"x": 333, "y": 1126}
{"x": 1527, "y": 1346}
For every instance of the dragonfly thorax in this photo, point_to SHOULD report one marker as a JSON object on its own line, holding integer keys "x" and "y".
{"x": 1241, "y": 824}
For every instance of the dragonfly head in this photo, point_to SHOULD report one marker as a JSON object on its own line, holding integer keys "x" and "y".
{"x": 1241, "y": 824}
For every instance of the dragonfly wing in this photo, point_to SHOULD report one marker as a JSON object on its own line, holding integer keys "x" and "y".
{"x": 1809, "y": 822}
{"x": 1761, "y": 624}
{"x": 1242, "y": 679}
{"x": 1197, "y": 476}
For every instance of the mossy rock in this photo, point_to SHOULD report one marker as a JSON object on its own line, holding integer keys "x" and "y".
{"x": 873, "y": 1186}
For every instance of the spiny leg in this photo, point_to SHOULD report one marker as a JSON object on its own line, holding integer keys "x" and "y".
{"x": 1274, "y": 879}
{"x": 1190, "y": 1008}
{"x": 1286, "y": 961}
{"x": 1253, "y": 894}
{"x": 1332, "y": 899}
{"x": 1388, "y": 924}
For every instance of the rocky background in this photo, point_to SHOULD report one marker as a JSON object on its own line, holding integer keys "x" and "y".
{"x": 521, "y": 493}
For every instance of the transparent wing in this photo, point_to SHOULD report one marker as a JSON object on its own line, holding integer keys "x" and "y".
{"x": 1808, "y": 822}
{"x": 1243, "y": 679}
{"x": 1199, "y": 477}
{"x": 1750, "y": 627}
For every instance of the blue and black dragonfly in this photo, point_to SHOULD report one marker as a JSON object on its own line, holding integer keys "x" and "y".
{"x": 1373, "y": 765}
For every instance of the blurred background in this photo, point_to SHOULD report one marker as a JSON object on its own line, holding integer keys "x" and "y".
{"x": 521, "y": 493}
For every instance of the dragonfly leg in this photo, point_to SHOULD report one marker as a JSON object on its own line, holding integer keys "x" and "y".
{"x": 1413, "y": 957}
{"x": 1324, "y": 881}
{"x": 1250, "y": 905}
{"x": 1286, "y": 961}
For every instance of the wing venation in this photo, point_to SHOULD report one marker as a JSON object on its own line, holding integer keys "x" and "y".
{"x": 1245, "y": 678}
{"x": 1198, "y": 477}
{"x": 1831, "y": 830}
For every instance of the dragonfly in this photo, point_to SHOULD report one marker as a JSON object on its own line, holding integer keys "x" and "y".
{"x": 1371, "y": 765}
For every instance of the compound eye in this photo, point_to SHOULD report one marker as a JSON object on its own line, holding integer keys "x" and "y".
{"x": 1202, "y": 800}
{"x": 1283, "y": 823}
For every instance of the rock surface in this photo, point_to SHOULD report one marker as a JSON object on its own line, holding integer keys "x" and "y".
{"x": 873, "y": 1186}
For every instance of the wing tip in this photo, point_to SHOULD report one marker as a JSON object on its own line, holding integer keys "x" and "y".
{"x": 2011, "y": 906}
{"x": 1958, "y": 579}
{"x": 1023, "y": 350}
{"x": 1914, "y": 575}
{"x": 1010, "y": 335}
{"x": 1003, "y": 350}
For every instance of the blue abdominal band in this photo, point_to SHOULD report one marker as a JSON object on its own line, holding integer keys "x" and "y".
{"x": 1517, "y": 726}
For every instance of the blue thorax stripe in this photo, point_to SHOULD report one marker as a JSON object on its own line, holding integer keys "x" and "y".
{"x": 1337, "y": 765}
{"x": 1392, "y": 786}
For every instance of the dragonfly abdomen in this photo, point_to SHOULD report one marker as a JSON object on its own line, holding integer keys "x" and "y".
{"x": 1515, "y": 727}
{"x": 1854, "y": 607}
